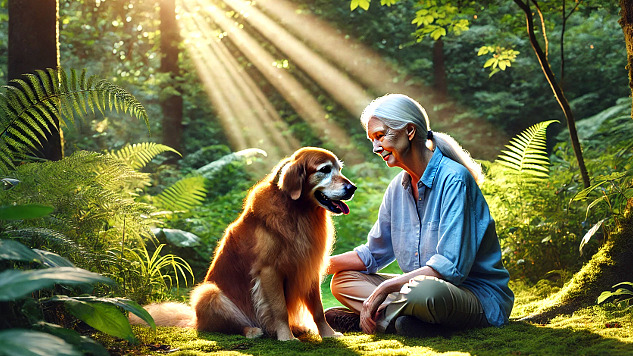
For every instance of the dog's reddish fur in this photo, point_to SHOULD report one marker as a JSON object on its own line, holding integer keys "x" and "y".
{"x": 271, "y": 260}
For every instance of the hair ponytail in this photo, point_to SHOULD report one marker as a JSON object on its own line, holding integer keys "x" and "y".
{"x": 453, "y": 150}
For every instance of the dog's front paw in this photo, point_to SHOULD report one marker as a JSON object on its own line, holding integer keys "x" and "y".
{"x": 252, "y": 332}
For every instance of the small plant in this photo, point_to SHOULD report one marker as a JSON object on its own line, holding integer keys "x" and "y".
{"x": 620, "y": 294}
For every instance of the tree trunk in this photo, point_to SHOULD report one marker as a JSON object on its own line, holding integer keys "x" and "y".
{"x": 171, "y": 103}
{"x": 626, "y": 21}
{"x": 34, "y": 44}
{"x": 556, "y": 88}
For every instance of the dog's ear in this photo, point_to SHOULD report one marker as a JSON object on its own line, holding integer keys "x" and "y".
{"x": 291, "y": 179}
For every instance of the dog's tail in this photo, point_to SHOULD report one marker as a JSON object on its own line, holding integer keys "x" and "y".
{"x": 168, "y": 314}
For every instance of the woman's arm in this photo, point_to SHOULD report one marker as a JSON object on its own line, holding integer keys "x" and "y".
{"x": 348, "y": 261}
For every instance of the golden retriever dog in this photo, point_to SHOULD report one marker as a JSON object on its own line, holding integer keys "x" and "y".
{"x": 268, "y": 267}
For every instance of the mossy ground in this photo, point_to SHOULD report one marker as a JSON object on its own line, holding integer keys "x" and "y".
{"x": 594, "y": 330}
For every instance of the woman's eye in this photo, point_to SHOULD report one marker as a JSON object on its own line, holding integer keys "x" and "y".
{"x": 325, "y": 169}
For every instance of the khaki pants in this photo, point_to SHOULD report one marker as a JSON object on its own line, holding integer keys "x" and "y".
{"x": 429, "y": 299}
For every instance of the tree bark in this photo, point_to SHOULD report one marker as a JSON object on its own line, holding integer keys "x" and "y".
{"x": 556, "y": 89}
{"x": 34, "y": 44}
{"x": 172, "y": 103}
{"x": 626, "y": 22}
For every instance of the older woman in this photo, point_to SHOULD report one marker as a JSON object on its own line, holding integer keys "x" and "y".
{"x": 435, "y": 222}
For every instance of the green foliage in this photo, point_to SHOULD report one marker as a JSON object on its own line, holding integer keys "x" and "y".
{"x": 148, "y": 271}
{"x": 501, "y": 59}
{"x": 183, "y": 195}
{"x": 94, "y": 199}
{"x": 140, "y": 154}
{"x": 527, "y": 154}
{"x": 620, "y": 294}
{"x": 34, "y": 104}
{"x": 23, "y": 288}
{"x": 436, "y": 19}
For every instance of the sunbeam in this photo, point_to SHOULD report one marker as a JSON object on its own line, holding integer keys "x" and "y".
{"x": 301, "y": 100}
{"x": 254, "y": 115}
{"x": 336, "y": 82}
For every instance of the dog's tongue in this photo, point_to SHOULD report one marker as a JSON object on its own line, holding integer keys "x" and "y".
{"x": 341, "y": 205}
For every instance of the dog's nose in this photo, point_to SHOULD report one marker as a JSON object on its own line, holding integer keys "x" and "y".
{"x": 349, "y": 189}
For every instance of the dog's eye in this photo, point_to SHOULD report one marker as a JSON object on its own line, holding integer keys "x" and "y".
{"x": 325, "y": 169}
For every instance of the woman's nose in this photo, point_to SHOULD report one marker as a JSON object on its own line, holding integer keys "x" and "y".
{"x": 376, "y": 146}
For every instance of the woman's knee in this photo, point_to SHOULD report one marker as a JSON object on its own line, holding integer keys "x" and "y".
{"x": 342, "y": 282}
{"x": 429, "y": 297}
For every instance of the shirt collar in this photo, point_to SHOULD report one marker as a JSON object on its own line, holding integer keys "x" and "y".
{"x": 429, "y": 173}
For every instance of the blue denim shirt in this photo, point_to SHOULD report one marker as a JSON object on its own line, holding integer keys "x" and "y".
{"x": 449, "y": 229}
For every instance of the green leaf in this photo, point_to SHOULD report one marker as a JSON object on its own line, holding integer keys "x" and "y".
{"x": 527, "y": 154}
{"x": 363, "y": 4}
{"x": 625, "y": 285}
{"x": 85, "y": 344}
{"x": 14, "y": 251}
{"x": 177, "y": 237}
{"x": 183, "y": 195}
{"x": 27, "y": 211}
{"x": 126, "y": 304}
{"x": 51, "y": 259}
{"x": 139, "y": 154}
{"x": 21, "y": 342}
{"x": 16, "y": 284}
{"x": 103, "y": 317}
{"x": 589, "y": 235}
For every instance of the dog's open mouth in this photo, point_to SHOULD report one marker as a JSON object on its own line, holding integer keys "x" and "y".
{"x": 335, "y": 206}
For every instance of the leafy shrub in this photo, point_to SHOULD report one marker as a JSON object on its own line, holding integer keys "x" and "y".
{"x": 28, "y": 281}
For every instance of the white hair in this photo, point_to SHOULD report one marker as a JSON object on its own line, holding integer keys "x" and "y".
{"x": 398, "y": 110}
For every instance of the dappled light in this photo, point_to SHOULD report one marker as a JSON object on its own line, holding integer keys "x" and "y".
{"x": 265, "y": 34}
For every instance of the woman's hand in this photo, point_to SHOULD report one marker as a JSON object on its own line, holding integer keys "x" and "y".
{"x": 371, "y": 306}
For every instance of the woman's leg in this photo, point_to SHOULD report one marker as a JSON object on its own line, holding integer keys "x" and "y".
{"x": 436, "y": 301}
{"x": 352, "y": 288}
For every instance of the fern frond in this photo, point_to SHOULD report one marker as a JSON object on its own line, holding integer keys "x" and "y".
{"x": 139, "y": 154}
{"x": 526, "y": 153}
{"x": 184, "y": 195}
{"x": 48, "y": 98}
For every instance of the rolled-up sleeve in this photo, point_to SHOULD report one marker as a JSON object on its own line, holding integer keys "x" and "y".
{"x": 457, "y": 243}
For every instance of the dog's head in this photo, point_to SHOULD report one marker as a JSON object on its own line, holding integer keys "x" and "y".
{"x": 315, "y": 174}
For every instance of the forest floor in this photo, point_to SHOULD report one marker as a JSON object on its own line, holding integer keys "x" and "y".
{"x": 595, "y": 330}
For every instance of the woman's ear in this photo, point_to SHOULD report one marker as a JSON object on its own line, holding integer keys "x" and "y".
{"x": 410, "y": 131}
{"x": 291, "y": 179}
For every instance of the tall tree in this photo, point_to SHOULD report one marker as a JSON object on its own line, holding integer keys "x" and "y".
{"x": 171, "y": 100}
{"x": 33, "y": 45}
{"x": 626, "y": 21}
{"x": 555, "y": 85}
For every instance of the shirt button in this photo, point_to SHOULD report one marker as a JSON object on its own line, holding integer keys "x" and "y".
{"x": 416, "y": 253}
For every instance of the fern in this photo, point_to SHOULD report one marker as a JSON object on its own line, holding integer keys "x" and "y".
{"x": 30, "y": 106}
{"x": 527, "y": 152}
{"x": 184, "y": 195}
{"x": 139, "y": 154}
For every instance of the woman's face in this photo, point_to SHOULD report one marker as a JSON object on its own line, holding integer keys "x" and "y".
{"x": 392, "y": 145}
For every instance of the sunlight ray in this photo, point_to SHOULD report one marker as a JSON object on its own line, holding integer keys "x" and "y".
{"x": 353, "y": 57}
{"x": 297, "y": 96}
{"x": 369, "y": 68}
{"x": 336, "y": 82}
{"x": 247, "y": 99}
